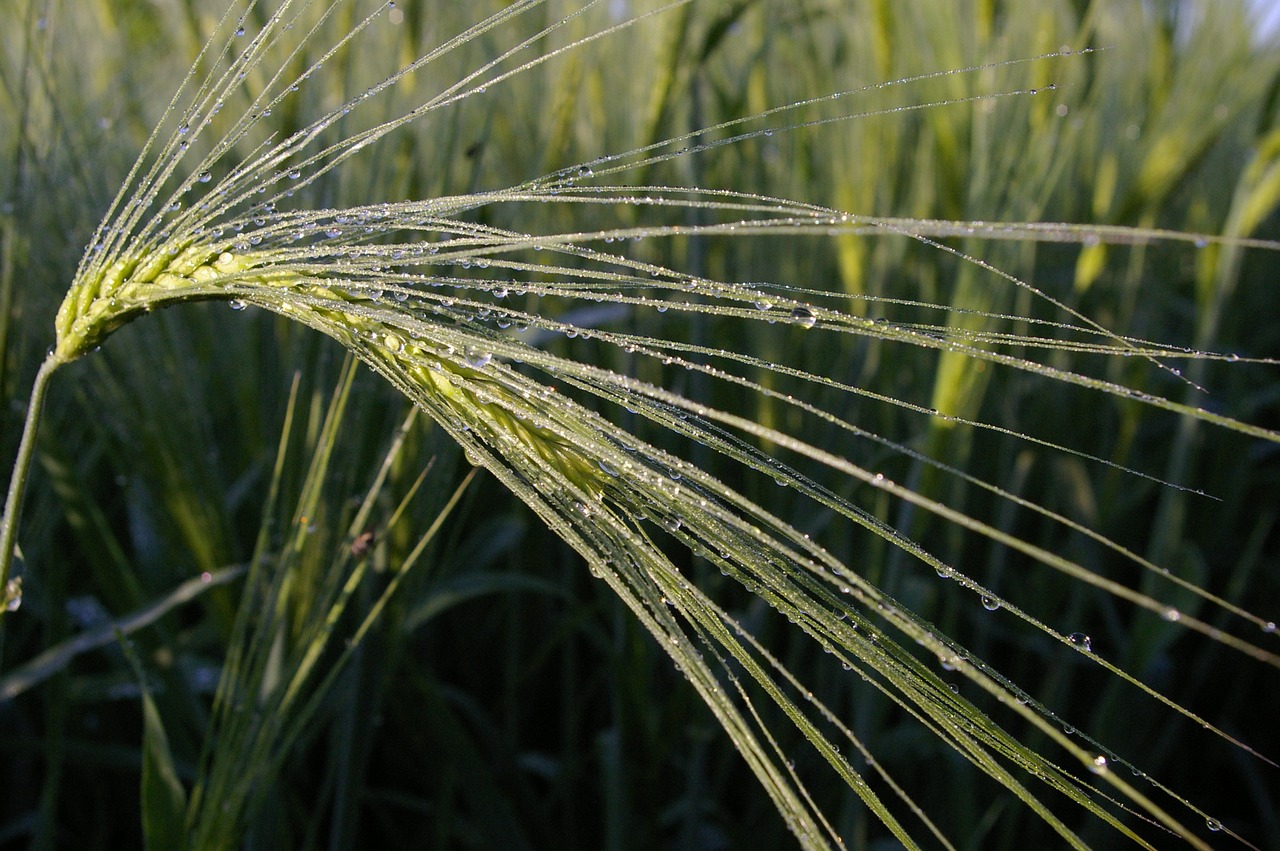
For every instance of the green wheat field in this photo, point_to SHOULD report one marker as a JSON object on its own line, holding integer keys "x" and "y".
{"x": 639, "y": 424}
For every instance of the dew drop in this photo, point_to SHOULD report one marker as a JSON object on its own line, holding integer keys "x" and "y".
{"x": 1213, "y": 824}
{"x": 1099, "y": 765}
{"x": 1079, "y": 639}
{"x": 13, "y": 594}
{"x": 205, "y": 177}
{"x": 393, "y": 342}
{"x": 990, "y": 604}
{"x": 237, "y": 304}
{"x": 475, "y": 358}
{"x": 1171, "y": 614}
{"x": 1269, "y": 626}
{"x": 804, "y": 317}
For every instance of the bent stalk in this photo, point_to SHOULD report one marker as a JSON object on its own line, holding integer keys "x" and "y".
{"x": 18, "y": 481}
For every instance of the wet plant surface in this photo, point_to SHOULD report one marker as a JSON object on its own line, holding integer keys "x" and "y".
{"x": 731, "y": 424}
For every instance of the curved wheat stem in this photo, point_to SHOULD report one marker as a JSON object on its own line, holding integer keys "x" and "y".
{"x": 421, "y": 292}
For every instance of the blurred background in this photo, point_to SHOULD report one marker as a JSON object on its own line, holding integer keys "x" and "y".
{"x": 504, "y": 699}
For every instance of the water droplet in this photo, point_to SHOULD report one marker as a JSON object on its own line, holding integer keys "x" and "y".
{"x": 393, "y": 342}
{"x": 990, "y": 604}
{"x": 804, "y": 317}
{"x": 205, "y": 177}
{"x": 295, "y": 174}
{"x": 237, "y": 304}
{"x": 475, "y": 358}
{"x": 12, "y": 594}
{"x": 1269, "y": 626}
{"x": 1099, "y": 765}
{"x": 1171, "y": 614}
{"x": 239, "y": 31}
{"x": 1213, "y": 824}
{"x": 1079, "y": 639}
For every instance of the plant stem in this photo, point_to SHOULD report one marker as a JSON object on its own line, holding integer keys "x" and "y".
{"x": 18, "y": 481}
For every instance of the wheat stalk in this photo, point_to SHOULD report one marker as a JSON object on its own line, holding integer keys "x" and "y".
{"x": 382, "y": 280}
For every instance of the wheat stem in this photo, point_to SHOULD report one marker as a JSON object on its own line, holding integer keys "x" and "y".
{"x": 18, "y": 481}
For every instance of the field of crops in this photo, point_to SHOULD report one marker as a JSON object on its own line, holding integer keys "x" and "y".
{"x": 639, "y": 424}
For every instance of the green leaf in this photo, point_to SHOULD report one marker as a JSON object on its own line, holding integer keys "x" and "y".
{"x": 164, "y": 801}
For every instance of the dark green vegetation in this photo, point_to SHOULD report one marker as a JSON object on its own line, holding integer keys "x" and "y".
{"x": 458, "y": 678}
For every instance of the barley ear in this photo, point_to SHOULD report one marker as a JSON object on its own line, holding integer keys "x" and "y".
{"x": 98, "y": 302}
{"x": 143, "y": 279}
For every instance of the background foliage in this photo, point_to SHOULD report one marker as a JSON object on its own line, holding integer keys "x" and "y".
{"x": 503, "y": 698}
